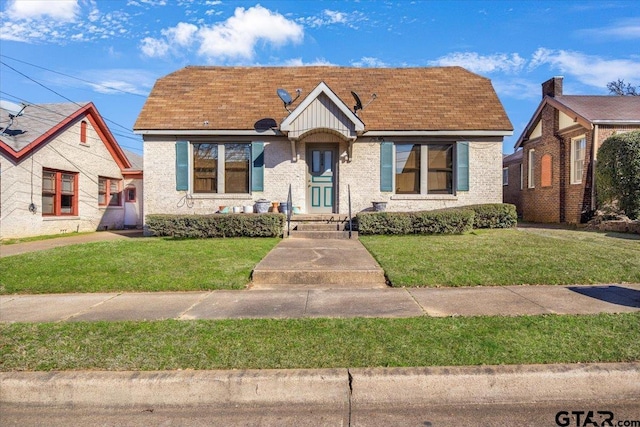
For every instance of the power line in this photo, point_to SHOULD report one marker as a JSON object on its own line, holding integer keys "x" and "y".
{"x": 59, "y": 94}
{"x": 41, "y": 106}
{"x": 73, "y": 77}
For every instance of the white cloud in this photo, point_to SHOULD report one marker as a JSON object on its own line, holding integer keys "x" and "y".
{"x": 115, "y": 81}
{"x": 59, "y": 10}
{"x": 238, "y": 36}
{"x": 298, "y": 62}
{"x": 181, "y": 35}
{"x": 368, "y": 61}
{"x": 626, "y": 29}
{"x": 154, "y": 48}
{"x": 499, "y": 62}
{"x": 332, "y": 17}
{"x": 588, "y": 69}
{"x": 235, "y": 38}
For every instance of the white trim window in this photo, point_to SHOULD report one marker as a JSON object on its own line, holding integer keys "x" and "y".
{"x": 578, "y": 149}
{"x": 531, "y": 168}
{"x": 521, "y": 176}
{"x": 221, "y": 168}
{"x": 424, "y": 168}
{"x": 505, "y": 176}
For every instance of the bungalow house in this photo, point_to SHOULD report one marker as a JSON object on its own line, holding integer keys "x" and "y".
{"x": 560, "y": 147}
{"x": 61, "y": 170}
{"x": 415, "y": 138}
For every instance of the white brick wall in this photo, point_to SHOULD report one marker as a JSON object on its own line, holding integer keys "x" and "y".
{"x": 362, "y": 174}
{"x": 22, "y": 183}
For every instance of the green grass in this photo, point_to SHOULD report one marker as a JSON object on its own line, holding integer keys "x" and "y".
{"x": 319, "y": 343}
{"x": 150, "y": 264}
{"x": 508, "y": 257}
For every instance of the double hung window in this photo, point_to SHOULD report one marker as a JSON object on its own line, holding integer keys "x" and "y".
{"x": 424, "y": 169}
{"x": 578, "y": 148}
{"x": 109, "y": 192}
{"x": 221, "y": 168}
{"x": 59, "y": 193}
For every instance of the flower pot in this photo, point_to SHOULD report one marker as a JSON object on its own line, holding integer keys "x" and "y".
{"x": 379, "y": 206}
{"x": 262, "y": 206}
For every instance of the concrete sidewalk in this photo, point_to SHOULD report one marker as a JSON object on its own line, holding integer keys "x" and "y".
{"x": 71, "y": 239}
{"x": 339, "y": 303}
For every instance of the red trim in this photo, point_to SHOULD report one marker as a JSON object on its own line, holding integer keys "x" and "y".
{"x": 97, "y": 122}
{"x": 132, "y": 174}
{"x": 126, "y": 194}
{"x": 57, "y": 205}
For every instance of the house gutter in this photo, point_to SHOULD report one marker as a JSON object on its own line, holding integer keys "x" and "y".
{"x": 275, "y": 132}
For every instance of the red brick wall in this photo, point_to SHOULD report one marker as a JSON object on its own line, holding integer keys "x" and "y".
{"x": 541, "y": 204}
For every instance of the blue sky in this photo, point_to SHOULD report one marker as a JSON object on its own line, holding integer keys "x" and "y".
{"x": 111, "y": 52}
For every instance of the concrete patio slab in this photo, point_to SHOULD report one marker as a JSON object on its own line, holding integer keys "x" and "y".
{"x": 352, "y": 303}
{"x": 48, "y": 308}
{"x": 474, "y": 301}
{"x": 143, "y": 306}
{"x": 249, "y": 305}
{"x": 582, "y": 299}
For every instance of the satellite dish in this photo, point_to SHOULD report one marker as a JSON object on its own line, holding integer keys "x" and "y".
{"x": 13, "y": 108}
{"x": 286, "y": 97}
{"x": 358, "y": 105}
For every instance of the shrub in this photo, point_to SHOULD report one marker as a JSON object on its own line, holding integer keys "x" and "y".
{"x": 450, "y": 221}
{"x": 494, "y": 215}
{"x": 217, "y": 225}
{"x": 618, "y": 173}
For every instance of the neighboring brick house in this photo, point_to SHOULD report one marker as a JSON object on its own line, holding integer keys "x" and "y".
{"x": 219, "y": 136}
{"x": 512, "y": 180}
{"x": 63, "y": 171}
{"x": 560, "y": 145}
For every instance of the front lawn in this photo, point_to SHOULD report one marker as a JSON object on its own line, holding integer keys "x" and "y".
{"x": 140, "y": 265}
{"x": 319, "y": 343}
{"x": 508, "y": 257}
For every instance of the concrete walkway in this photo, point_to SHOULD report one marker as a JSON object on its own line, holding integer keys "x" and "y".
{"x": 339, "y": 303}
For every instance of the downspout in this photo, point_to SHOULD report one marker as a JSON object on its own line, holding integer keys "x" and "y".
{"x": 594, "y": 158}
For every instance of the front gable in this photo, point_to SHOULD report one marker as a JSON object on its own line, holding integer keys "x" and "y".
{"x": 322, "y": 110}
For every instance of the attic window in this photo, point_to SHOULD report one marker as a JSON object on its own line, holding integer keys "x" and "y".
{"x": 83, "y": 132}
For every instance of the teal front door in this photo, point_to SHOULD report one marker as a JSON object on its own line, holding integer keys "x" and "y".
{"x": 321, "y": 178}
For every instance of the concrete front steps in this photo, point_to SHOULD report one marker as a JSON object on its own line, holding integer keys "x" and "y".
{"x": 320, "y": 263}
{"x": 320, "y": 226}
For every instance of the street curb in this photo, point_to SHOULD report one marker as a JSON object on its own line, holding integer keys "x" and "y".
{"x": 496, "y": 384}
{"x": 340, "y": 388}
{"x": 166, "y": 388}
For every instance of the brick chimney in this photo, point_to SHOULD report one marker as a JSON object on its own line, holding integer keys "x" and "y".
{"x": 552, "y": 87}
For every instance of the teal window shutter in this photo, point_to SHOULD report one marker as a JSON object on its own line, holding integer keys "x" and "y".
{"x": 462, "y": 166}
{"x": 257, "y": 166}
{"x": 182, "y": 166}
{"x": 386, "y": 166}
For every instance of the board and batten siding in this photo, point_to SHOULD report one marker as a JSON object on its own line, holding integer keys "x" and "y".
{"x": 322, "y": 113}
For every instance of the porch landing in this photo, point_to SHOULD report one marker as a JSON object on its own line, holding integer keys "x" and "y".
{"x": 318, "y": 264}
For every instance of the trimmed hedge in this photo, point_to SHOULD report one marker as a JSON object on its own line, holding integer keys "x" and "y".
{"x": 217, "y": 225}
{"x": 494, "y": 215}
{"x": 450, "y": 221}
{"x": 444, "y": 221}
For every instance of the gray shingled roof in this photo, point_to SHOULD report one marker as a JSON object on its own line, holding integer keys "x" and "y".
{"x": 35, "y": 121}
{"x": 603, "y": 108}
